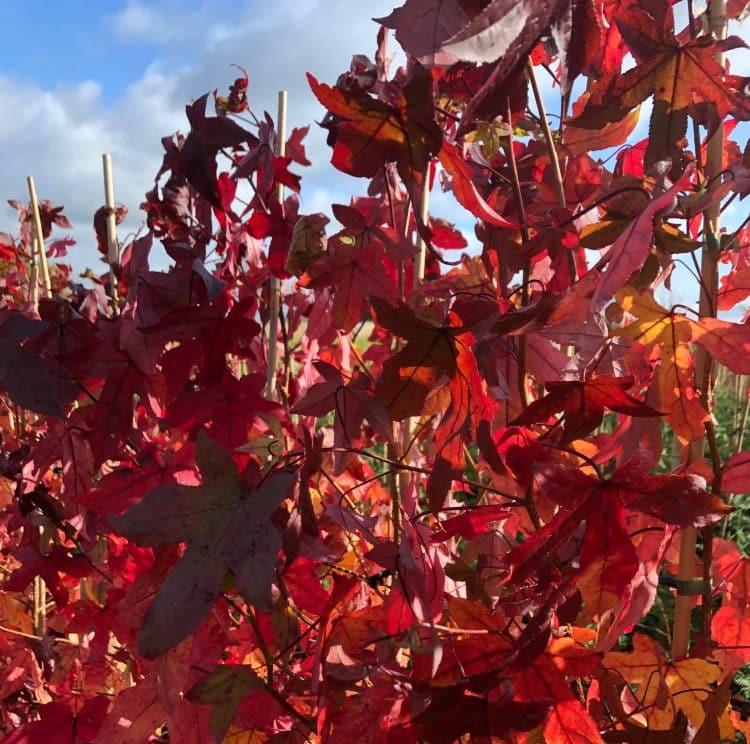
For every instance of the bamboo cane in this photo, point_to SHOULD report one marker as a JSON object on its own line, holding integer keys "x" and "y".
{"x": 112, "y": 246}
{"x": 424, "y": 216}
{"x": 703, "y": 360}
{"x": 274, "y": 284}
{"x": 42, "y": 256}
{"x": 39, "y": 605}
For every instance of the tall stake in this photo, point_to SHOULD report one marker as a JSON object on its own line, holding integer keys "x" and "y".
{"x": 41, "y": 254}
{"x": 274, "y": 285}
{"x": 39, "y": 603}
{"x": 424, "y": 216}
{"x": 703, "y": 361}
{"x": 403, "y": 434}
{"x": 112, "y": 247}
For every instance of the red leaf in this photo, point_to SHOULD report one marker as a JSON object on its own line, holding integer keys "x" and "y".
{"x": 728, "y": 343}
{"x": 354, "y": 271}
{"x": 464, "y": 189}
{"x": 608, "y": 558}
{"x": 630, "y": 250}
{"x": 26, "y": 377}
{"x": 58, "y": 724}
{"x": 583, "y": 404}
{"x": 231, "y": 407}
{"x": 735, "y": 476}
{"x": 677, "y": 72}
{"x": 568, "y": 722}
{"x": 50, "y": 567}
{"x": 370, "y": 132}
{"x": 228, "y": 528}
{"x": 422, "y": 26}
{"x": 504, "y": 29}
{"x": 352, "y": 403}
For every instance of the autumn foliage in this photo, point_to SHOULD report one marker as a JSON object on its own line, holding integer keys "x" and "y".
{"x": 443, "y": 515}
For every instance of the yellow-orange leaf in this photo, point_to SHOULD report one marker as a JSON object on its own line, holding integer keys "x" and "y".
{"x": 658, "y": 689}
{"x": 669, "y": 334}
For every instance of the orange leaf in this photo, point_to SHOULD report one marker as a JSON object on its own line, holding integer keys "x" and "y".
{"x": 670, "y": 333}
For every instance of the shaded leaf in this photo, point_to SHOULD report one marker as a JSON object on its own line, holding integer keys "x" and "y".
{"x": 227, "y": 527}
{"x": 223, "y": 690}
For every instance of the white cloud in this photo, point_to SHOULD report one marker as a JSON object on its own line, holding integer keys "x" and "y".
{"x": 135, "y": 21}
{"x": 58, "y": 134}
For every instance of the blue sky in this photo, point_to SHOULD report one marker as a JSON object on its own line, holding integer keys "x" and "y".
{"x": 53, "y": 44}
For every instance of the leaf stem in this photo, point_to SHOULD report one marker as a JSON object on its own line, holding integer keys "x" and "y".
{"x": 267, "y": 656}
{"x": 521, "y": 212}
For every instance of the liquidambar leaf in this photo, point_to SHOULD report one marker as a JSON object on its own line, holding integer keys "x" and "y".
{"x": 223, "y": 690}
{"x": 662, "y": 688}
{"x": 227, "y": 528}
{"x": 370, "y": 132}
{"x": 676, "y": 74}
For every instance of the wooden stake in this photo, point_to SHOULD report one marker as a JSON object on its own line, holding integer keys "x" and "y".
{"x": 112, "y": 245}
{"x": 274, "y": 284}
{"x": 703, "y": 360}
{"x": 42, "y": 256}
{"x": 34, "y": 275}
{"x": 39, "y": 608}
{"x": 424, "y": 216}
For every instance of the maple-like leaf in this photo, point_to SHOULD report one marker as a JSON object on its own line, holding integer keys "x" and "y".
{"x": 196, "y": 158}
{"x": 262, "y": 161}
{"x": 580, "y": 140}
{"x": 670, "y": 334}
{"x": 430, "y": 356}
{"x": 26, "y": 377}
{"x": 231, "y": 405}
{"x": 631, "y": 249}
{"x": 227, "y": 527}
{"x": 608, "y": 558}
{"x": 730, "y": 625}
{"x": 351, "y": 403}
{"x": 59, "y": 724}
{"x": 676, "y": 499}
{"x": 735, "y": 475}
{"x": 583, "y": 404}
{"x": 354, "y": 266}
{"x": 504, "y": 28}
{"x": 436, "y": 356}
{"x": 464, "y": 188}
{"x": 51, "y": 567}
{"x": 370, "y": 132}
{"x": 126, "y": 485}
{"x": 423, "y": 25}
{"x": 660, "y": 689}
{"x": 676, "y": 72}
{"x": 568, "y": 722}
{"x": 728, "y": 343}
{"x": 223, "y": 690}
{"x": 136, "y": 714}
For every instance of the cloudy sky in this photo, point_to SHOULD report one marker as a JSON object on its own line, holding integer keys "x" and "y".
{"x": 80, "y": 78}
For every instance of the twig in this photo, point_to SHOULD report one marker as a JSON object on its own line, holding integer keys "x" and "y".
{"x": 521, "y": 212}
{"x": 554, "y": 160}
{"x": 274, "y": 286}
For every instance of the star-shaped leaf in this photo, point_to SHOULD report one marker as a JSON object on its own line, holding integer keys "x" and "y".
{"x": 677, "y": 73}
{"x": 370, "y": 132}
{"x": 227, "y": 527}
{"x": 351, "y": 403}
